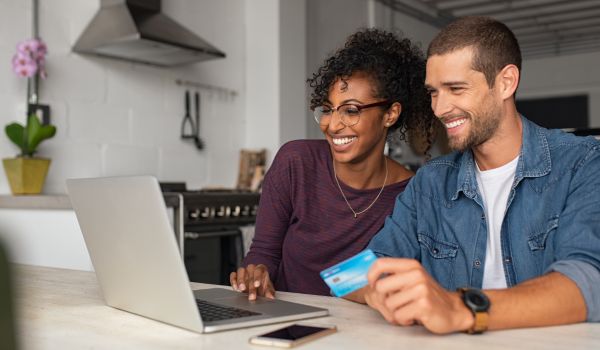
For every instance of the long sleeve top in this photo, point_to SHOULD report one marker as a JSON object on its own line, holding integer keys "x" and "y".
{"x": 304, "y": 225}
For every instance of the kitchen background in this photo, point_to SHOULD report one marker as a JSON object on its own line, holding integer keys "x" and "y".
{"x": 122, "y": 118}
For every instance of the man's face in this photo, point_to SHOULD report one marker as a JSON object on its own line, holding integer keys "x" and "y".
{"x": 461, "y": 98}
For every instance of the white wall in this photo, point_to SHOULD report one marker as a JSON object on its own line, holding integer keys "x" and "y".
{"x": 262, "y": 62}
{"x": 275, "y": 72}
{"x": 292, "y": 80}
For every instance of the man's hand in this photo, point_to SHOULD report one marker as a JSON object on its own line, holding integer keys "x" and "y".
{"x": 254, "y": 280}
{"x": 376, "y": 300}
{"x": 405, "y": 293}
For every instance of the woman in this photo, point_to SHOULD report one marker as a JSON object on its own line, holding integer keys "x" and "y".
{"x": 323, "y": 200}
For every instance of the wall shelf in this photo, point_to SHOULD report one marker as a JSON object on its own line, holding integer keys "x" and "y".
{"x": 202, "y": 86}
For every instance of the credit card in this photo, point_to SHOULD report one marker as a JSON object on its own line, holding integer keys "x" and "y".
{"x": 349, "y": 275}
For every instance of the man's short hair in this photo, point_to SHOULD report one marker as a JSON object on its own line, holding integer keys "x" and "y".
{"x": 494, "y": 45}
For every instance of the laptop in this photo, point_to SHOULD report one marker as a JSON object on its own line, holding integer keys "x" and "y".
{"x": 134, "y": 252}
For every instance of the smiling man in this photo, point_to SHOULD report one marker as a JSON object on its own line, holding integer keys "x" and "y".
{"x": 505, "y": 231}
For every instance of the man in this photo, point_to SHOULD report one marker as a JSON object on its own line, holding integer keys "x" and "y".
{"x": 513, "y": 215}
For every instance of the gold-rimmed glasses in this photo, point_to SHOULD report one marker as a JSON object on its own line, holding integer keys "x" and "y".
{"x": 349, "y": 113}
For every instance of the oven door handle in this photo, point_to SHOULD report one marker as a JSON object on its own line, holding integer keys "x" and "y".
{"x": 211, "y": 234}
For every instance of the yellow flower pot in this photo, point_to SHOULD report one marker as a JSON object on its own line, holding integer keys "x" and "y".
{"x": 26, "y": 175}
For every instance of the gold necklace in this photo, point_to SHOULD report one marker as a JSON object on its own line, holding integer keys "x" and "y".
{"x": 373, "y": 202}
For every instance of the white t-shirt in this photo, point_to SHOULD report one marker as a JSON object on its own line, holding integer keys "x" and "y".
{"x": 494, "y": 186}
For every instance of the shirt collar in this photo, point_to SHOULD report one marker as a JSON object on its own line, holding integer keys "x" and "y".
{"x": 534, "y": 160}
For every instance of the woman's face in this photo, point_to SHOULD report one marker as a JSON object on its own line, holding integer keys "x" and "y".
{"x": 354, "y": 144}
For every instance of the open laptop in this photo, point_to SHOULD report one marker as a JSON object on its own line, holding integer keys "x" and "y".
{"x": 132, "y": 245}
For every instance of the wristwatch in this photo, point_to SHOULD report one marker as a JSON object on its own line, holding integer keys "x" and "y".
{"x": 479, "y": 304}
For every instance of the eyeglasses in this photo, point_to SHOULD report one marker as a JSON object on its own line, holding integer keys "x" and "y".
{"x": 349, "y": 113}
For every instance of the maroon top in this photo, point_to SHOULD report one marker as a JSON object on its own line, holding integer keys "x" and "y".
{"x": 303, "y": 224}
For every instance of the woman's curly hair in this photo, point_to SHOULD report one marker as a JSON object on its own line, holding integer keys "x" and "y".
{"x": 396, "y": 66}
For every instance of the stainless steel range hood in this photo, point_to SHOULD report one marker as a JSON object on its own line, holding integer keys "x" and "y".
{"x": 136, "y": 30}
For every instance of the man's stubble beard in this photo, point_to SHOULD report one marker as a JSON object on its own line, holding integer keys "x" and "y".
{"x": 482, "y": 127}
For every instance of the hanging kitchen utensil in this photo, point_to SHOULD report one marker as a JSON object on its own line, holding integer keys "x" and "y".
{"x": 188, "y": 130}
{"x": 197, "y": 140}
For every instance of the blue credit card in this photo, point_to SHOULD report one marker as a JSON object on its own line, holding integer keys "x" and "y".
{"x": 349, "y": 275}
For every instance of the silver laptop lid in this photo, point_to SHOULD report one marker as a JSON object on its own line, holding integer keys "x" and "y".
{"x": 132, "y": 246}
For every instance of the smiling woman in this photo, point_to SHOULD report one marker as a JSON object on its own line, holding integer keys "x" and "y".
{"x": 323, "y": 200}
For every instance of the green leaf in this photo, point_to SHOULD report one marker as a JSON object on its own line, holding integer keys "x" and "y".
{"x": 14, "y": 131}
{"x": 36, "y": 133}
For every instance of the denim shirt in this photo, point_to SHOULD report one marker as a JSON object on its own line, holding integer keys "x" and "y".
{"x": 552, "y": 219}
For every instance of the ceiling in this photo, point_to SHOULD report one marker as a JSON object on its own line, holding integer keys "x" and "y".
{"x": 543, "y": 27}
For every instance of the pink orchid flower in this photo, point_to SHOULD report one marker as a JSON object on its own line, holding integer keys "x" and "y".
{"x": 30, "y": 58}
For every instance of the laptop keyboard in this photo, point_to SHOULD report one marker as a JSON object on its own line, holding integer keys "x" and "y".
{"x": 213, "y": 312}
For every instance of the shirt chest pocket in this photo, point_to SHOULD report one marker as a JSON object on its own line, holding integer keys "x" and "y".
{"x": 537, "y": 239}
{"x": 439, "y": 258}
{"x": 541, "y": 251}
{"x": 435, "y": 248}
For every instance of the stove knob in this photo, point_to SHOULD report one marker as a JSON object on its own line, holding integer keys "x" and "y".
{"x": 221, "y": 211}
{"x": 205, "y": 213}
{"x": 254, "y": 210}
{"x": 227, "y": 211}
{"x": 194, "y": 214}
{"x": 236, "y": 211}
{"x": 246, "y": 210}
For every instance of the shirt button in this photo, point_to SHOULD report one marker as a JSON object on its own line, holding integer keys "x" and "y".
{"x": 435, "y": 250}
{"x": 507, "y": 260}
{"x": 477, "y": 263}
{"x": 482, "y": 216}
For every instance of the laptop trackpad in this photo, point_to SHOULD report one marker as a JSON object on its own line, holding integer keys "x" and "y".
{"x": 240, "y": 300}
{"x": 213, "y": 294}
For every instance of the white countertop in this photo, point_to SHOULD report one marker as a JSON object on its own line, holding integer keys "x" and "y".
{"x": 63, "y": 309}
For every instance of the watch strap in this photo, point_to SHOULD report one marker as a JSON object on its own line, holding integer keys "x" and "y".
{"x": 481, "y": 317}
{"x": 481, "y": 323}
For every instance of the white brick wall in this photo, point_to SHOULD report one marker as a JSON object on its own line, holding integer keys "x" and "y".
{"x": 71, "y": 160}
{"x": 115, "y": 117}
{"x": 98, "y": 123}
{"x": 122, "y": 160}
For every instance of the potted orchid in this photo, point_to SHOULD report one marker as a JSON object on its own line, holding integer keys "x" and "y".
{"x": 26, "y": 173}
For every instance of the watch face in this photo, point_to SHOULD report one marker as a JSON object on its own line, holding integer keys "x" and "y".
{"x": 476, "y": 300}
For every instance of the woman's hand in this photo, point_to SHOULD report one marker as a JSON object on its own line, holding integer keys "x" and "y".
{"x": 254, "y": 280}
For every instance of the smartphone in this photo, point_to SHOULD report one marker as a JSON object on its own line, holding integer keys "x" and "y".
{"x": 293, "y": 335}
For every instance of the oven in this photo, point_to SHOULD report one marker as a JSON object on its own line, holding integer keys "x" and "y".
{"x": 210, "y": 227}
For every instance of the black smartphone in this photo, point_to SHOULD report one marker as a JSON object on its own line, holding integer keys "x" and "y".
{"x": 293, "y": 335}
